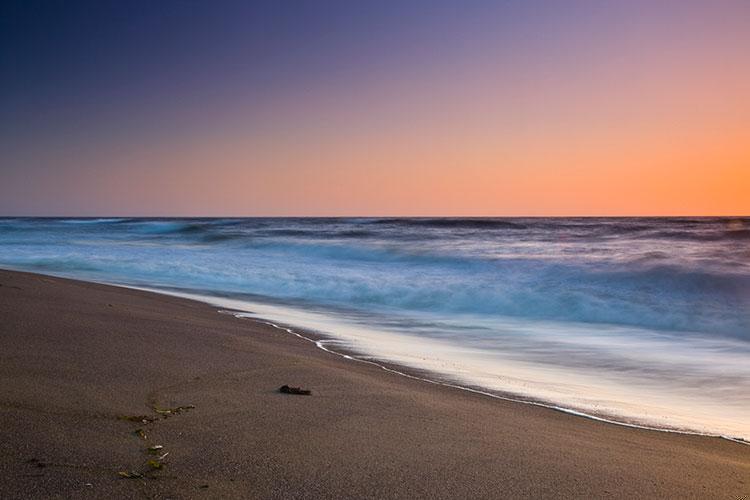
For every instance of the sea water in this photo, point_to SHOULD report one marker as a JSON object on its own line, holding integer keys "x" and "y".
{"x": 643, "y": 321}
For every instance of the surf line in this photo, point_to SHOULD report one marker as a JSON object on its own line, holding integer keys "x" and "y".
{"x": 320, "y": 344}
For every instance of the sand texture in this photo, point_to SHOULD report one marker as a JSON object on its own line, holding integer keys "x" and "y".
{"x": 79, "y": 361}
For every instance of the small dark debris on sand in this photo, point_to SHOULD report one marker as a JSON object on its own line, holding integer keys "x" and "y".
{"x": 285, "y": 389}
{"x": 37, "y": 462}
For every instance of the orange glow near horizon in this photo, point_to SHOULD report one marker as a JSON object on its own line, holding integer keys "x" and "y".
{"x": 652, "y": 122}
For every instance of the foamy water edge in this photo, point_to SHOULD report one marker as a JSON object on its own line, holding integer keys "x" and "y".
{"x": 327, "y": 339}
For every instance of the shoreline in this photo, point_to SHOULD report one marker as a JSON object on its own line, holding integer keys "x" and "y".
{"x": 409, "y": 372}
{"x": 376, "y": 432}
{"x": 424, "y": 375}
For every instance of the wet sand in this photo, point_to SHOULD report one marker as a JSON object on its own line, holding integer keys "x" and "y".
{"x": 78, "y": 361}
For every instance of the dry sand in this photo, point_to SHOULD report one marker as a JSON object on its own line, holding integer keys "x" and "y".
{"x": 75, "y": 356}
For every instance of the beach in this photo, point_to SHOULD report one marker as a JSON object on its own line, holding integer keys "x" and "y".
{"x": 634, "y": 320}
{"x": 83, "y": 362}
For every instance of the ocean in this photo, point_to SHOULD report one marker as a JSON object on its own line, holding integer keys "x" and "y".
{"x": 641, "y": 321}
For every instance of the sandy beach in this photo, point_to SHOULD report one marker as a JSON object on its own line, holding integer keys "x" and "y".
{"x": 83, "y": 365}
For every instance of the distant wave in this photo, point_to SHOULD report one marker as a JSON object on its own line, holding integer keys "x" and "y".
{"x": 168, "y": 227}
{"x": 452, "y": 223}
{"x": 715, "y": 234}
{"x": 739, "y": 234}
{"x": 91, "y": 221}
{"x": 318, "y": 233}
{"x": 217, "y": 232}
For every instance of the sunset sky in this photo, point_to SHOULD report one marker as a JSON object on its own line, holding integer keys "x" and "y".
{"x": 375, "y": 108}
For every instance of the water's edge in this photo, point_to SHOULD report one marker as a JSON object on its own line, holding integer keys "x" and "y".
{"x": 323, "y": 342}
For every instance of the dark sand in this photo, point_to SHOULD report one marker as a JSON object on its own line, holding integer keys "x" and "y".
{"x": 75, "y": 356}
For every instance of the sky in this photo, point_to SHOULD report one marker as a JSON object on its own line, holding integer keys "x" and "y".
{"x": 319, "y": 108}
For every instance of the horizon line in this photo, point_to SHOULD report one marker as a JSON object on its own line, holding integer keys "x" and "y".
{"x": 610, "y": 216}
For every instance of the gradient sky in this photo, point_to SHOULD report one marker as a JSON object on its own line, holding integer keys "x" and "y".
{"x": 375, "y": 108}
